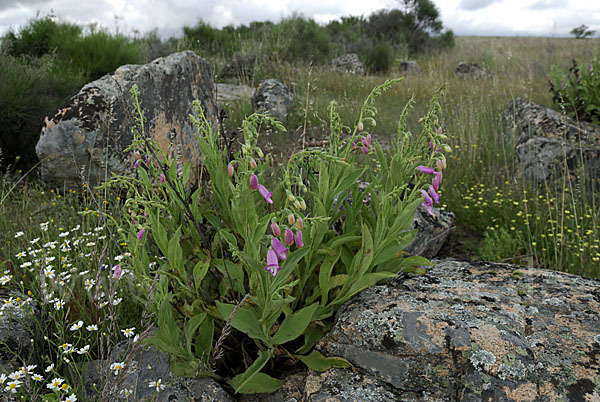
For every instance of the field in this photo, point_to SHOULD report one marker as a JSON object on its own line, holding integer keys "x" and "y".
{"x": 498, "y": 217}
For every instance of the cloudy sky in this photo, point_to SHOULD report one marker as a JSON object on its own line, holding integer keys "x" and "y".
{"x": 464, "y": 17}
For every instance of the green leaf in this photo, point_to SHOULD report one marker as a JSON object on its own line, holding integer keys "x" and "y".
{"x": 294, "y": 325}
{"x": 340, "y": 240}
{"x": 244, "y": 320}
{"x": 175, "y": 254}
{"x": 190, "y": 329}
{"x": 200, "y": 270}
{"x": 204, "y": 339}
{"x": 259, "y": 383}
{"x": 242, "y": 383}
{"x": 287, "y": 267}
{"x": 325, "y": 276}
{"x": 160, "y": 234}
{"x": 316, "y": 361}
{"x": 311, "y": 337}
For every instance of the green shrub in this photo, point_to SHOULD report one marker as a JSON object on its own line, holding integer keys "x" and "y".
{"x": 379, "y": 58}
{"x": 578, "y": 90}
{"x": 29, "y": 91}
{"x": 307, "y": 40}
{"x": 501, "y": 245}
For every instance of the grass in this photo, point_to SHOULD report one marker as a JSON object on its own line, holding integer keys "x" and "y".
{"x": 498, "y": 216}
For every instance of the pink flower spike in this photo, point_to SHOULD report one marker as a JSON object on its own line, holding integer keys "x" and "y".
{"x": 298, "y": 239}
{"x": 265, "y": 193}
{"x": 428, "y": 208}
{"x": 161, "y": 178}
{"x": 147, "y": 161}
{"x": 253, "y": 182}
{"x": 435, "y": 196}
{"x": 436, "y": 182}
{"x": 272, "y": 262}
{"x": 275, "y": 229}
{"x": 136, "y": 164}
{"x": 289, "y": 237}
{"x": 427, "y": 198}
{"x": 117, "y": 272}
{"x": 279, "y": 248}
{"x": 365, "y": 150}
{"x": 140, "y": 234}
{"x": 425, "y": 169}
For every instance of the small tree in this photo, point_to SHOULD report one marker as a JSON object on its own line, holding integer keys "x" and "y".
{"x": 582, "y": 32}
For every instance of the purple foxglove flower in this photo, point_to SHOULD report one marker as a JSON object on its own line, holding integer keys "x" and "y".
{"x": 428, "y": 208}
{"x": 298, "y": 239}
{"x": 275, "y": 229}
{"x": 289, "y": 237}
{"x": 436, "y": 181}
{"x": 427, "y": 199}
{"x": 253, "y": 182}
{"x": 117, "y": 272}
{"x": 161, "y": 178}
{"x": 365, "y": 149}
{"x": 272, "y": 262}
{"x": 140, "y": 234}
{"x": 265, "y": 193}
{"x": 279, "y": 248}
{"x": 435, "y": 196}
{"x": 425, "y": 169}
{"x": 136, "y": 164}
{"x": 365, "y": 142}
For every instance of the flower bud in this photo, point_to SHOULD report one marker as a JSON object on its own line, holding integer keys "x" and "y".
{"x": 298, "y": 239}
{"x": 361, "y": 127}
{"x": 253, "y": 182}
{"x": 275, "y": 229}
{"x": 161, "y": 178}
{"x": 297, "y": 204}
{"x": 303, "y": 204}
{"x": 291, "y": 219}
{"x": 259, "y": 152}
{"x": 230, "y": 169}
{"x": 253, "y": 163}
{"x": 289, "y": 237}
{"x": 374, "y": 123}
{"x": 447, "y": 148}
{"x": 291, "y": 197}
{"x": 299, "y": 223}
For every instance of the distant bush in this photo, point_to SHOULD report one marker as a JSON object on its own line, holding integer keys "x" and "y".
{"x": 379, "y": 58}
{"x": 578, "y": 90}
{"x": 307, "y": 40}
{"x": 30, "y": 89}
{"x": 582, "y": 32}
{"x": 94, "y": 55}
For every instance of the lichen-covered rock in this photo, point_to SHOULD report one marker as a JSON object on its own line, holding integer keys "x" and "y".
{"x": 410, "y": 67}
{"x": 471, "y": 332}
{"x": 547, "y": 142}
{"x": 432, "y": 231}
{"x": 18, "y": 316}
{"x": 227, "y": 93}
{"x": 240, "y": 67}
{"x": 272, "y": 97}
{"x": 86, "y": 138}
{"x": 470, "y": 71}
{"x": 146, "y": 365}
{"x": 348, "y": 63}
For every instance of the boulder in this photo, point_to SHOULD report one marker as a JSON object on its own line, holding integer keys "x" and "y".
{"x": 240, "y": 67}
{"x": 548, "y": 143}
{"x": 470, "y": 71}
{"x": 272, "y": 97}
{"x": 463, "y": 332}
{"x": 409, "y": 67}
{"x": 227, "y": 93}
{"x": 348, "y": 63}
{"x": 87, "y": 137}
{"x": 432, "y": 231}
{"x": 18, "y": 315}
{"x": 146, "y": 365}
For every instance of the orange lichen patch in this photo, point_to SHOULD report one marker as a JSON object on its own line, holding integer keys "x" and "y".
{"x": 161, "y": 131}
{"x": 548, "y": 391}
{"x": 313, "y": 384}
{"x": 525, "y": 392}
{"x": 488, "y": 337}
{"x": 435, "y": 330}
{"x": 585, "y": 370}
{"x": 595, "y": 397}
{"x": 575, "y": 327}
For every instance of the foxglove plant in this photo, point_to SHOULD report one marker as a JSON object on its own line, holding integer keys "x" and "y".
{"x": 274, "y": 265}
